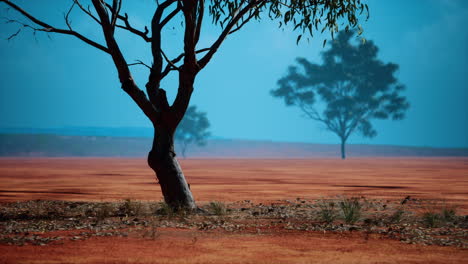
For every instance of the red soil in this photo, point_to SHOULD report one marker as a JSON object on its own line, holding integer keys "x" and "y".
{"x": 96, "y": 179}
{"x": 188, "y": 246}
{"x": 444, "y": 179}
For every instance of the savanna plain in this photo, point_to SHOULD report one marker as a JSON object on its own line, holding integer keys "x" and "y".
{"x": 360, "y": 210}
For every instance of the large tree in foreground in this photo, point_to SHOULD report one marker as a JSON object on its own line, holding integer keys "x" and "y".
{"x": 353, "y": 87}
{"x": 193, "y": 129}
{"x": 305, "y": 16}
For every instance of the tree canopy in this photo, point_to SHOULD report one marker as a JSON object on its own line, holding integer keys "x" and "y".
{"x": 349, "y": 89}
{"x": 304, "y": 16}
{"x": 193, "y": 129}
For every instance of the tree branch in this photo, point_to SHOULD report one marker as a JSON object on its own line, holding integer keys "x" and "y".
{"x": 48, "y": 28}
{"x": 201, "y": 11}
{"x": 67, "y": 21}
{"x": 86, "y": 11}
{"x": 152, "y": 86}
{"x": 139, "y": 62}
{"x": 125, "y": 77}
{"x": 177, "y": 59}
{"x": 229, "y": 27}
{"x": 245, "y": 21}
{"x": 127, "y": 26}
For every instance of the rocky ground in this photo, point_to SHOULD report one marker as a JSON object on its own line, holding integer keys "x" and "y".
{"x": 408, "y": 220}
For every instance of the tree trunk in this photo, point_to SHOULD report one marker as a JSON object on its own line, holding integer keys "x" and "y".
{"x": 162, "y": 160}
{"x": 343, "y": 149}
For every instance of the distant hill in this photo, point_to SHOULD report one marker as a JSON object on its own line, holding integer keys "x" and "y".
{"x": 48, "y": 145}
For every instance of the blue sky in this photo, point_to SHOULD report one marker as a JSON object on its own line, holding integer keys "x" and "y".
{"x": 62, "y": 82}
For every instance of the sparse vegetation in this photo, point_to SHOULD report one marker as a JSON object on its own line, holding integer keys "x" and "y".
{"x": 351, "y": 209}
{"x": 397, "y": 216}
{"x": 327, "y": 212}
{"x": 449, "y": 214}
{"x": 18, "y": 220}
{"x": 131, "y": 208}
{"x": 217, "y": 208}
{"x": 165, "y": 209}
{"x": 431, "y": 219}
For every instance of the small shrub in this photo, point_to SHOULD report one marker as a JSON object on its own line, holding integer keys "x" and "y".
{"x": 131, "y": 208}
{"x": 104, "y": 210}
{"x": 165, "y": 209}
{"x": 327, "y": 212}
{"x": 351, "y": 209}
{"x": 397, "y": 216}
{"x": 431, "y": 219}
{"x": 449, "y": 214}
{"x": 217, "y": 208}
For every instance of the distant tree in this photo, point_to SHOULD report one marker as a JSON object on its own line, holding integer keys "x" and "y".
{"x": 193, "y": 129}
{"x": 353, "y": 86}
{"x": 191, "y": 17}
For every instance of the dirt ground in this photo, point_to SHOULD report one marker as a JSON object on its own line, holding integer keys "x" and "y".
{"x": 187, "y": 246}
{"x": 445, "y": 180}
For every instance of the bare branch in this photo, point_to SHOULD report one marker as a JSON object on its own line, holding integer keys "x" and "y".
{"x": 12, "y": 36}
{"x": 139, "y": 62}
{"x": 48, "y": 28}
{"x": 169, "y": 67}
{"x": 125, "y": 77}
{"x": 229, "y": 27}
{"x": 201, "y": 10}
{"x": 133, "y": 30}
{"x": 87, "y": 11}
{"x": 169, "y": 17}
{"x": 67, "y": 21}
{"x": 245, "y": 21}
{"x": 152, "y": 86}
{"x": 169, "y": 61}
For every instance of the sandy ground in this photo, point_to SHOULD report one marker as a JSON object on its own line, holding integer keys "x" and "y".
{"x": 187, "y": 246}
{"x": 94, "y": 179}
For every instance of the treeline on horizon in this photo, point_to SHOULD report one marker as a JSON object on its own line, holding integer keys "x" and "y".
{"x": 48, "y": 145}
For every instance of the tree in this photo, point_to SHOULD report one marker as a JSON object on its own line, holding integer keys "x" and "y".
{"x": 353, "y": 86}
{"x": 231, "y": 16}
{"x": 192, "y": 129}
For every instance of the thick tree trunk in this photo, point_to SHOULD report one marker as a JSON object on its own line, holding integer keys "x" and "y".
{"x": 343, "y": 149}
{"x": 162, "y": 160}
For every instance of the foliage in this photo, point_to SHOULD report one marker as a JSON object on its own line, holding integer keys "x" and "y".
{"x": 217, "y": 208}
{"x": 109, "y": 18}
{"x": 327, "y": 212}
{"x": 351, "y": 209}
{"x": 449, "y": 214}
{"x": 397, "y": 216}
{"x": 165, "y": 209}
{"x": 193, "y": 129}
{"x": 306, "y": 16}
{"x": 431, "y": 219}
{"x": 352, "y": 85}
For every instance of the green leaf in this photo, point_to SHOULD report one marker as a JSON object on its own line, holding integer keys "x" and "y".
{"x": 298, "y": 39}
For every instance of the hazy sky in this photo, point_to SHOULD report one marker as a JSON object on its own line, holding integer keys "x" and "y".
{"x": 61, "y": 82}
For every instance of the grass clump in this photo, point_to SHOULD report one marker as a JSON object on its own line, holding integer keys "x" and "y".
{"x": 397, "y": 216}
{"x": 165, "y": 209}
{"x": 131, "y": 208}
{"x": 327, "y": 212}
{"x": 434, "y": 217}
{"x": 217, "y": 208}
{"x": 449, "y": 214}
{"x": 431, "y": 219}
{"x": 351, "y": 209}
{"x": 104, "y": 210}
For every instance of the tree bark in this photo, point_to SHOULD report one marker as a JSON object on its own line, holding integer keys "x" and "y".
{"x": 162, "y": 159}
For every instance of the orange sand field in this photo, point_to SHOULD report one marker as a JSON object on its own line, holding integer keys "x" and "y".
{"x": 96, "y": 179}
